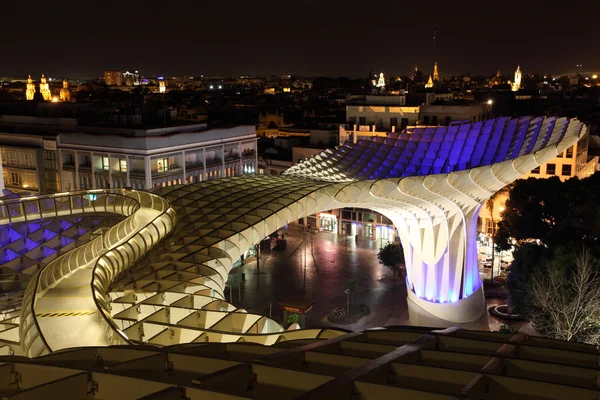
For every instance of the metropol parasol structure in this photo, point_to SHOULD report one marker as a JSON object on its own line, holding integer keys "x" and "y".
{"x": 158, "y": 276}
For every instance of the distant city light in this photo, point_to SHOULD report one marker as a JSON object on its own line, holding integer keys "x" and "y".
{"x": 220, "y": 87}
{"x": 490, "y": 102}
{"x": 55, "y": 99}
{"x": 212, "y": 87}
{"x": 594, "y": 76}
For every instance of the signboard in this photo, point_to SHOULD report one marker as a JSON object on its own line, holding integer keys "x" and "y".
{"x": 49, "y": 144}
{"x": 300, "y": 309}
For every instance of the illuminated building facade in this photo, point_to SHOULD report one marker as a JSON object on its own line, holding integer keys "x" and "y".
{"x": 429, "y": 83}
{"x": 381, "y": 81}
{"x": 80, "y": 157}
{"x": 132, "y": 78}
{"x": 45, "y": 89}
{"x": 65, "y": 94}
{"x": 516, "y": 85}
{"x": 113, "y": 78}
{"x": 30, "y": 90}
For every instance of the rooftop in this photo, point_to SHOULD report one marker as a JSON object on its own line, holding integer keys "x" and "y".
{"x": 396, "y": 362}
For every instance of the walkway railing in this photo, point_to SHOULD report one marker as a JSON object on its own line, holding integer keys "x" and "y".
{"x": 95, "y": 201}
{"x": 112, "y": 263}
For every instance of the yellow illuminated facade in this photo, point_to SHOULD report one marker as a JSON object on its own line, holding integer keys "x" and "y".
{"x": 45, "y": 89}
{"x": 65, "y": 94}
{"x": 516, "y": 85}
{"x": 30, "y": 92}
{"x": 429, "y": 83}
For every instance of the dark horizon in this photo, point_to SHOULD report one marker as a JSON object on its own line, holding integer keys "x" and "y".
{"x": 310, "y": 39}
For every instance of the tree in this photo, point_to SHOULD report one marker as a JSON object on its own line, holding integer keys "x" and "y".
{"x": 293, "y": 319}
{"x": 392, "y": 256}
{"x": 566, "y": 300}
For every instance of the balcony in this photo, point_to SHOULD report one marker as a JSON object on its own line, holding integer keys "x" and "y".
{"x": 173, "y": 170}
{"x": 249, "y": 154}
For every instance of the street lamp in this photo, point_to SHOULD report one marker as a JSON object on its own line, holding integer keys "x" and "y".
{"x": 490, "y": 102}
{"x": 347, "y": 291}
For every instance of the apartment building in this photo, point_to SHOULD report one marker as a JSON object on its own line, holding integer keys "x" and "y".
{"x": 56, "y": 154}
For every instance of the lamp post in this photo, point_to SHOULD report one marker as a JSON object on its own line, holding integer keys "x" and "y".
{"x": 347, "y": 291}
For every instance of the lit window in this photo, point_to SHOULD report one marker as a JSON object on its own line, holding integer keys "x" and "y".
{"x": 162, "y": 164}
{"x": 123, "y": 165}
{"x": 14, "y": 178}
{"x": 566, "y": 170}
{"x": 569, "y": 152}
{"x": 551, "y": 169}
{"x": 105, "y": 163}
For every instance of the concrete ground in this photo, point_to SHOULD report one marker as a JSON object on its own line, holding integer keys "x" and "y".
{"x": 330, "y": 265}
{"x": 331, "y": 262}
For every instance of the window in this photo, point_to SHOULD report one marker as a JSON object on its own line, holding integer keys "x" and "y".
{"x": 536, "y": 170}
{"x": 569, "y": 152}
{"x": 12, "y": 157}
{"x": 404, "y": 122}
{"x": 426, "y": 120}
{"x": 162, "y": 164}
{"x": 434, "y": 120}
{"x": 351, "y": 120}
{"x": 122, "y": 165}
{"x": 393, "y": 122}
{"x": 490, "y": 226}
{"x": 561, "y": 155}
{"x": 105, "y": 163}
{"x": 551, "y": 169}
{"x": 362, "y": 121}
{"x": 566, "y": 170}
{"x": 29, "y": 160}
{"x": 448, "y": 120}
{"x": 14, "y": 178}
{"x": 3, "y": 156}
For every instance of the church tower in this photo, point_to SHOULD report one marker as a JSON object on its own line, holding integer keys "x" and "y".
{"x": 436, "y": 76}
{"x": 65, "y": 94}
{"x": 30, "y": 92}
{"x": 45, "y": 89}
{"x": 381, "y": 81}
{"x": 429, "y": 83}
{"x": 517, "y": 83}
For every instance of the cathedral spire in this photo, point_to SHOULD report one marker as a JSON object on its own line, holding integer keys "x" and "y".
{"x": 45, "y": 89}
{"x": 429, "y": 83}
{"x": 516, "y": 85}
{"x": 30, "y": 91}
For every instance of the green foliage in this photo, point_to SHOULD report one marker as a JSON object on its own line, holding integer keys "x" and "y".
{"x": 554, "y": 212}
{"x": 352, "y": 285}
{"x": 392, "y": 256}
{"x": 529, "y": 260}
{"x": 293, "y": 319}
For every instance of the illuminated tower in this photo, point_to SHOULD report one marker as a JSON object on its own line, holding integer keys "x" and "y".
{"x": 30, "y": 92}
{"x": 45, "y": 89}
{"x": 436, "y": 76}
{"x": 162, "y": 87}
{"x": 516, "y": 85}
{"x": 381, "y": 81}
{"x": 429, "y": 83}
{"x": 65, "y": 95}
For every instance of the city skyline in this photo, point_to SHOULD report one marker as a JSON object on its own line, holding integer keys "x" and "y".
{"x": 311, "y": 39}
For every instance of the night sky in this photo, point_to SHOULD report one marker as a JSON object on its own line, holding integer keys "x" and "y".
{"x": 313, "y": 37}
